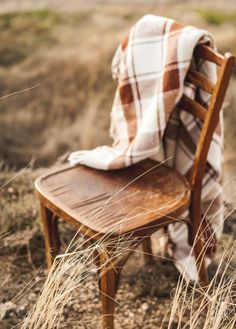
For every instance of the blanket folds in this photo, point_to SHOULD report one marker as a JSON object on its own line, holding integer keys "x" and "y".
{"x": 150, "y": 67}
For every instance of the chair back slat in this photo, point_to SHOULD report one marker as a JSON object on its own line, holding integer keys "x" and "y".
{"x": 208, "y": 54}
{"x": 198, "y": 79}
{"x": 193, "y": 107}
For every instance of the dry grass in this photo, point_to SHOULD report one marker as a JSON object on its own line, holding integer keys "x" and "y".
{"x": 73, "y": 280}
{"x": 213, "y": 307}
{"x": 192, "y": 307}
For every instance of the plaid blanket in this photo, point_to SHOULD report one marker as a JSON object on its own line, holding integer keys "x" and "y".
{"x": 150, "y": 67}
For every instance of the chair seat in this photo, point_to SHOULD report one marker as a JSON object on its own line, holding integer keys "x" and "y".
{"x": 119, "y": 201}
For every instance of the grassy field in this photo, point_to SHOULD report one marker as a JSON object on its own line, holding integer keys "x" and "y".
{"x": 56, "y": 93}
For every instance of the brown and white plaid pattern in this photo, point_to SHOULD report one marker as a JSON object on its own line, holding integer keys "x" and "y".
{"x": 150, "y": 67}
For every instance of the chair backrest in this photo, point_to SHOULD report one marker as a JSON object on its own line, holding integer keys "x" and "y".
{"x": 210, "y": 115}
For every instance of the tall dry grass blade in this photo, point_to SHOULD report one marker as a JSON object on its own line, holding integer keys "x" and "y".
{"x": 20, "y": 91}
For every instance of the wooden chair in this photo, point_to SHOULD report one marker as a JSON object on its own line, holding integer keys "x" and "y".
{"x": 73, "y": 193}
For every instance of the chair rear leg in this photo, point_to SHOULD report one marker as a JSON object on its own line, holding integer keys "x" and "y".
{"x": 51, "y": 234}
{"x": 200, "y": 260}
{"x": 147, "y": 249}
{"x": 196, "y": 235}
{"x": 107, "y": 286}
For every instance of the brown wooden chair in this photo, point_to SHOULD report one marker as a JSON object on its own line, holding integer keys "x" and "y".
{"x": 97, "y": 203}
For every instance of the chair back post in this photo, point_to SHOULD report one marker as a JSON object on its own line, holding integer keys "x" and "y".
{"x": 211, "y": 121}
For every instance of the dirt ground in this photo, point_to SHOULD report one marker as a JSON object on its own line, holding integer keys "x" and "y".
{"x": 64, "y": 49}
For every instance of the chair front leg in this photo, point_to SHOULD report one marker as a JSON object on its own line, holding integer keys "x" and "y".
{"x": 51, "y": 234}
{"x": 107, "y": 286}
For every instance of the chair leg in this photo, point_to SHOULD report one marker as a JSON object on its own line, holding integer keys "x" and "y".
{"x": 107, "y": 285}
{"x": 147, "y": 249}
{"x": 196, "y": 235}
{"x": 51, "y": 235}
{"x": 200, "y": 261}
